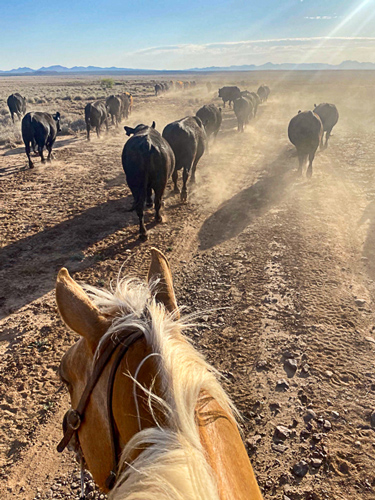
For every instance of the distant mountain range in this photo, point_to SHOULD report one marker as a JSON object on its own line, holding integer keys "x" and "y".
{"x": 57, "y": 69}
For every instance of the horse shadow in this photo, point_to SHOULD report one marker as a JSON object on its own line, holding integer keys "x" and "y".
{"x": 236, "y": 214}
{"x": 29, "y": 266}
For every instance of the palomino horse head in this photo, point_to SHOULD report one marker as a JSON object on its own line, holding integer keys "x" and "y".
{"x": 141, "y": 392}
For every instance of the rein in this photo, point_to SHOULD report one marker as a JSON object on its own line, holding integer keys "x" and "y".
{"x": 73, "y": 419}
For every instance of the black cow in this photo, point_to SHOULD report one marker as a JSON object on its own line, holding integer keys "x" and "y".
{"x": 17, "y": 105}
{"x": 187, "y": 138}
{"x": 329, "y": 116}
{"x": 305, "y": 132}
{"x": 253, "y": 96}
{"x": 211, "y": 118}
{"x": 263, "y": 93}
{"x": 114, "y": 104}
{"x": 229, "y": 94}
{"x": 244, "y": 110}
{"x": 40, "y": 129}
{"x": 148, "y": 162}
{"x": 96, "y": 114}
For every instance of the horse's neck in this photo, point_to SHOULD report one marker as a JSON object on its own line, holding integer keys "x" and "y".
{"x": 225, "y": 451}
{"x": 218, "y": 431}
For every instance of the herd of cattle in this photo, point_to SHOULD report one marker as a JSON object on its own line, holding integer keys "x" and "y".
{"x": 150, "y": 158}
{"x": 174, "y": 85}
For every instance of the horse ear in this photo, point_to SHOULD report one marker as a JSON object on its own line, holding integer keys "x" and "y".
{"x": 153, "y": 125}
{"x": 159, "y": 269}
{"x": 77, "y": 310}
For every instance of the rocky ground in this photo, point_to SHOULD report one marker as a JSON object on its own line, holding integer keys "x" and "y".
{"x": 280, "y": 267}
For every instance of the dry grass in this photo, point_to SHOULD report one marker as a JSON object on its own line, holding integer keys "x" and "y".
{"x": 62, "y": 94}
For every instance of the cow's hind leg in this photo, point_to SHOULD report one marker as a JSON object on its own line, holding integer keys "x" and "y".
{"x": 194, "y": 168}
{"x": 27, "y": 148}
{"x": 174, "y": 179}
{"x": 309, "y": 168}
{"x": 40, "y": 151}
{"x": 322, "y": 141}
{"x": 301, "y": 161}
{"x": 49, "y": 149}
{"x": 185, "y": 177}
{"x": 149, "y": 197}
{"x": 158, "y": 197}
{"x": 328, "y": 135}
{"x": 142, "y": 227}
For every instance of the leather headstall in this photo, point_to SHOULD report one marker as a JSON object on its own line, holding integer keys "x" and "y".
{"x": 74, "y": 418}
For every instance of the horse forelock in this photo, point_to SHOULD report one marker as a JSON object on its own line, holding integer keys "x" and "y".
{"x": 173, "y": 463}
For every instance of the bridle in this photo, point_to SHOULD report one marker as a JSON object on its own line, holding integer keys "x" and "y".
{"x": 73, "y": 419}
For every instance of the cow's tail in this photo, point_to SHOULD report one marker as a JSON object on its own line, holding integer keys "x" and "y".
{"x": 140, "y": 194}
{"x": 88, "y": 113}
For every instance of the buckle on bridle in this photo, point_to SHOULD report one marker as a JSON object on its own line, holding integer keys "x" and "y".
{"x": 73, "y": 419}
{"x": 111, "y": 479}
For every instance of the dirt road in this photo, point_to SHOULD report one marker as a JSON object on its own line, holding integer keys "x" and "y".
{"x": 281, "y": 266}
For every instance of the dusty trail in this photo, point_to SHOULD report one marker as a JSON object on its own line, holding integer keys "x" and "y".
{"x": 282, "y": 266}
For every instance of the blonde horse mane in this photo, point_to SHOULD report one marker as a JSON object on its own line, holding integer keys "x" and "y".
{"x": 172, "y": 464}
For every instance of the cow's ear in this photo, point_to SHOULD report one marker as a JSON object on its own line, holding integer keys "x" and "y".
{"x": 129, "y": 130}
{"x": 153, "y": 125}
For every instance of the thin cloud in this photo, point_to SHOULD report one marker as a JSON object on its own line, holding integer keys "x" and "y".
{"x": 321, "y": 17}
{"x": 245, "y": 43}
{"x": 277, "y": 50}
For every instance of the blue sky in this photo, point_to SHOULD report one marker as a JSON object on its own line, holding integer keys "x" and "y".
{"x": 177, "y": 34}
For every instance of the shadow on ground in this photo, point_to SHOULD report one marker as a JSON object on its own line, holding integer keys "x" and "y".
{"x": 238, "y": 212}
{"x": 14, "y": 169}
{"x": 29, "y": 266}
{"x": 58, "y": 144}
